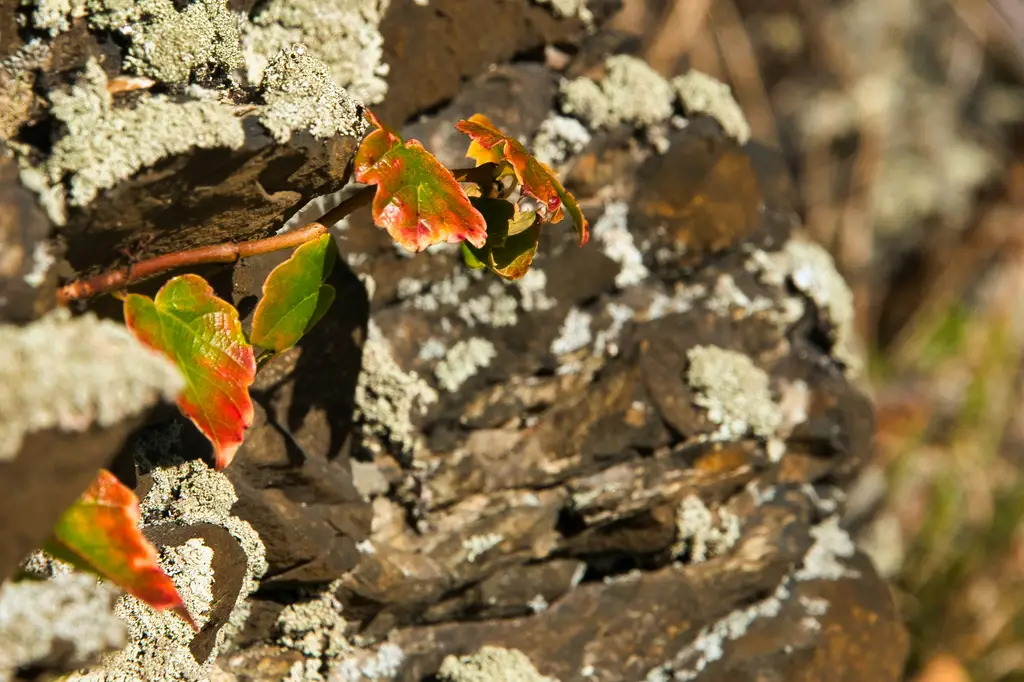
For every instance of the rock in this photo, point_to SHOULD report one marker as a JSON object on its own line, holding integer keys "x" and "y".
{"x": 71, "y": 391}
{"x": 27, "y": 274}
{"x": 60, "y": 624}
{"x": 431, "y": 48}
{"x": 121, "y": 169}
{"x": 584, "y": 491}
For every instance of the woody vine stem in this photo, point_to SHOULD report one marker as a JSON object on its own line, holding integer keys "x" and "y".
{"x": 229, "y": 252}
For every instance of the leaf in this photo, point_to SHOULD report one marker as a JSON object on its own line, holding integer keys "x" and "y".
{"x": 202, "y": 335}
{"x": 295, "y": 296}
{"x": 505, "y": 253}
{"x": 418, "y": 201}
{"x": 100, "y": 533}
{"x": 488, "y": 144}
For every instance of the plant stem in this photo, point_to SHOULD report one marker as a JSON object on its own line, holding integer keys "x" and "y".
{"x": 228, "y": 252}
{"x": 217, "y": 253}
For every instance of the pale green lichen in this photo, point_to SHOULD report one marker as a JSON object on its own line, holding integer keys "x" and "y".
{"x": 491, "y": 664}
{"x": 315, "y": 628}
{"x": 71, "y": 374}
{"x": 702, "y": 94}
{"x": 103, "y": 144}
{"x": 734, "y": 391}
{"x": 343, "y": 34}
{"x": 630, "y": 92}
{"x": 387, "y": 398}
{"x": 300, "y": 95}
{"x": 702, "y": 534}
{"x": 462, "y": 361}
{"x": 65, "y": 621}
{"x": 558, "y": 138}
{"x": 163, "y": 43}
{"x": 612, "y": 231}
{"x": 811, "y": 269}
{"x": 570, "y": 8}
{"x": 173, "y": 46}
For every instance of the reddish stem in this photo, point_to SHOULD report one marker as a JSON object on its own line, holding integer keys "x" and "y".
{"x": 229, "y": 252}
{"x": 217, "y": 253}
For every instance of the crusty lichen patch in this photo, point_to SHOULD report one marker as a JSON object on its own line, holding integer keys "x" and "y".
{"x": 630, "y": 92}
{"x": 462, "y": 361}
{"x": 68, "y": 619}
{"x": 104, "y": 144}
{"x": 700, "y": 534}
{"x": 157, "y": 649}
{"x": 811, "y": 269}
{"x": 734, "y": 391}
{"x": 343, "y": 34}
{"x": 559, "y": 138}
{"x": 490, "y": 664}
{"x": 570, "y": 8}
{"x": 70, "y": 374}
{"x": 163, "y": 43}
{"x": 300, "y": 95}
{"x": 702, "y": 94}
{"x": 387, "y": 398}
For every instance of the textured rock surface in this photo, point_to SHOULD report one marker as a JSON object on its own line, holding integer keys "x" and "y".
{"x": 452, "y": 472}
{"x": 71, "y": 391}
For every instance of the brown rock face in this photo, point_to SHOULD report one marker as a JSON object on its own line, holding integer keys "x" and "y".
{"x": 628, "y": 465}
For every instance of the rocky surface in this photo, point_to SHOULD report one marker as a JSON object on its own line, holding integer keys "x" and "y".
{"x": 628, "y": 465}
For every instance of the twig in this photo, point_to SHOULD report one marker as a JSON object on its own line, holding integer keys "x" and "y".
{"x": 217, "y": 253}
{"x": 230, "y": 252}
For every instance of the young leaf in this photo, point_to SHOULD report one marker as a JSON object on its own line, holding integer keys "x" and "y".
{"x": 295, "y": 296}
{"x": 418, "y": 201}
{"x": 488, "y": 144}
{"x": 202, "y": 335}
{"x": 100, "y": 533}
{"x": 511, "y": 241}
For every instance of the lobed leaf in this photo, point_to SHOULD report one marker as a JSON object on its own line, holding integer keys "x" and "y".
{"x": 100, "y": 533}
{"x": 488, "y": 144}
{"x": 295, "y": 296}
{"x": 511, "y": 242}
{"x": 202, "y": 334}
{"x": 418, "y": 201}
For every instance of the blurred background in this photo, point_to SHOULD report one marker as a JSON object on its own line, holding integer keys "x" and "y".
{"x": 902, "y": 121}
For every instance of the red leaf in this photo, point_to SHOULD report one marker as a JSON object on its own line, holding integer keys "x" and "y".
{"x": 100, "y": 533}
{"x": 489, "y": 144}
{"x": 202, "y": 335}
{"x": 418, "y": 201}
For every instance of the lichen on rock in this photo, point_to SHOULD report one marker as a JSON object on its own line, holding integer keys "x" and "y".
{"x": 343, "y": 34}
{"x": 491, "y": 664}
{"x": 67, "y": 621}
{"x": 462, "y": 361}
{"x": 811, "y": 269}
{"x": 630, "y": 92}
{"x": 734, "y": 391}
{"x": 301, "y": 95}
{"x": 72, "y": 373}
{"x": 699, "y": 534}
{"x": 103, "y": 145}
{"x": 570, "y": 8}
{"x": 702, "y": 94}
{"x": 387, "y": 398}
{"x": 158, "y": 647}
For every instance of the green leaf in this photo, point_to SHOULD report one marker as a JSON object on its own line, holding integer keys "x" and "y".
{"x": 470, "y": 258}
{"x": 506, "y": 253}
{"x": 100, "y": 533}
{"x": 418, "y": 200}
{"x": 295, "y": 296}
{"x": 490, "y": 145}
{"x": 202, "y": 335}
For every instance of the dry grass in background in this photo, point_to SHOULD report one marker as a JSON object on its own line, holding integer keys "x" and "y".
{"x": 902, "y": 123}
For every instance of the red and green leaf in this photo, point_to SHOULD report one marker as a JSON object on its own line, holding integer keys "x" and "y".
{"x": 100, "y": 533}
{"x": 418, "y": 200}
{"x": 511, "y": 240}
{"x": 201, "y": 333}
{"x": 295, "y": 296}
{"x": 488, "y": 144}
